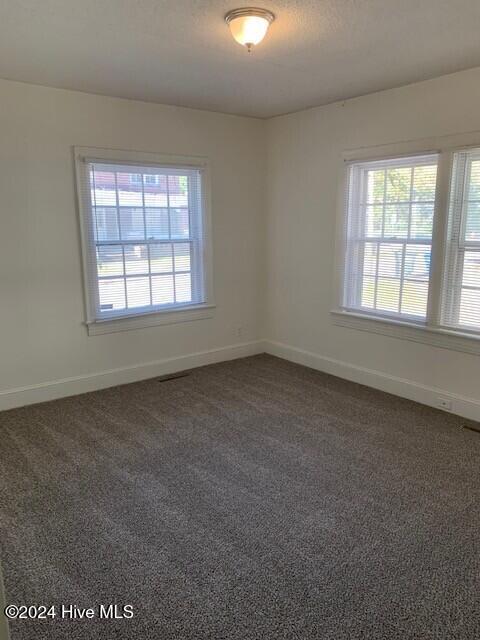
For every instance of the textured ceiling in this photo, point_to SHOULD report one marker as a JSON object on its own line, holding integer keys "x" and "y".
{"x": 181, "y": 52}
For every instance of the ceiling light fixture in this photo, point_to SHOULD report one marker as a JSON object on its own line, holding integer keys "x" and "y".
{"x": 249, "y": 25}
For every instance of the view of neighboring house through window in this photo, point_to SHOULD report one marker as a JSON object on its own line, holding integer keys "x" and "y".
{"x": 145, "y": 228}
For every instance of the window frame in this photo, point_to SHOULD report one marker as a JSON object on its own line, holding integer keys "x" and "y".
{"x": 144, "y": 317}
{"x": 356, "y": 173}
{"x": 457, "y": 245}
{"x": 432, "y": 331}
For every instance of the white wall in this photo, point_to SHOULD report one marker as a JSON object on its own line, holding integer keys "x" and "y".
{"x": 42, "y": 307}
{"x": 303, "y": 159}
{"x": 41, "y": 311}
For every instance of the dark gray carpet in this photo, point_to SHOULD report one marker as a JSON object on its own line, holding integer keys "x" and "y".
{"x": 254, "y": 499}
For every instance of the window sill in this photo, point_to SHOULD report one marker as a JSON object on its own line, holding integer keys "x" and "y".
{"x": 140, "y": 321}
{"x": 436, "y": 336}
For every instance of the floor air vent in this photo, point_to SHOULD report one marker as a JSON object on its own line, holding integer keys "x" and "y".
{"x": 172, "y": 376}
{"x": 470, "y": 428}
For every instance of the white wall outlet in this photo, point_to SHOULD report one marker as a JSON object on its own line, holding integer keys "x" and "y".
{"x": 444, "y": 403}
{"x": 239, "y": 332}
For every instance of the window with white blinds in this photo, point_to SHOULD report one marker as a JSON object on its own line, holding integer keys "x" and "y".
{"x": 144, "y": 237}
{"x": 411, "y": 242}
{"x": 461, "y": 299}
{"x": 389, "y": 236}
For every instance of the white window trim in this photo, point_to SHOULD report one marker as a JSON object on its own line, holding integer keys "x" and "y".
{"x": 436, "y": 336}
{"x": 430, "y": 332}
{"x": 174, "y": 314}
{"x": 152, "y": 319}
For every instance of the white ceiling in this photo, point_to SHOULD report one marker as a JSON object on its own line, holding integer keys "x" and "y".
{"x": 180, "y": 51}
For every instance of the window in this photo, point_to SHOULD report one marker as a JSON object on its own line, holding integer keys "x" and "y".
{"x": 390, "y": 224}
{"x": 411, "y": 243}
{"x": 145, "y": 248}
{"x": 151, "y": 179}
{"x": 136, "y": 178}
{"x": 461, "y": 307}
{"x": 148, "y": 178}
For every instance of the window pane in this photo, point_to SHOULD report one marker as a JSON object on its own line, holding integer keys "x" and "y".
{"x": 390, "y": 260}
{"x": 374, "y": 216}
{"x": 472, "y": 231}
{"x": 471, "y": 270}
{"x": 155, "y": 191}
{"x": 396, "y": 220}
{"x": 106, "y": 224}
{"x": 142, "y": 220}
{"x": 415, "y": 298}
{"x": 421, "y": 224}
{"x": 424, "y": 182}
{"x": 182, "y": 256}
{"x": 161, "y": 258}
{"x": 109, "y": 261}
{"x": 368, "y": 292}
{"x": 103, "y": 191}
{"x": 130, "y": 192}
{"x": 470, "y": 308}
{"x": 179, "y": 223}
{"x": 138, "y": 292}
{"x": 395, "y": 201}
{"x": 417, "y": 262}
{"x": 474, "y": 187}
{"x": 398, "y": 184}
{"x": 388, "y": 294}
{"x": 461, "y": 302}
{"x": 112, "y": 294}
{"x": 370, "y": 259}
{"x": 178, "y": 191}
{"x": 136, "y": 259}
{"x": 157, "y": 223}
{"x": 162, "y": 290}
{"x": 376, "y": 186}
{"x": 132, "y": 224}
{"x": 183, "y": 287}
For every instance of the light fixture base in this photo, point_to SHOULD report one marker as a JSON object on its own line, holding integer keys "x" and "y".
{"x": 249, "y": 11}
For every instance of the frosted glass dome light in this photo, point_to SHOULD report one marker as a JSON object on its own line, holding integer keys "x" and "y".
{"x": 249, "y": 25}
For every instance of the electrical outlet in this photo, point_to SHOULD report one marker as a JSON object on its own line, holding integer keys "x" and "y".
{"x": 239, "y": 332}
{"x": 444, "y": 403}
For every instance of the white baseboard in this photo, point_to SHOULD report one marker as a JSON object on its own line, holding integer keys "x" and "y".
{"x": 54, "y": 389}
{"x": 461, "y": 405}
{"x": 51, "y": 390}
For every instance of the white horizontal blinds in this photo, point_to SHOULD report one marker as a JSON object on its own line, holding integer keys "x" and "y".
{"x": 146, "y": 226}
{"x": 389, "y": 236}
{"x": 461, "y": 299}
